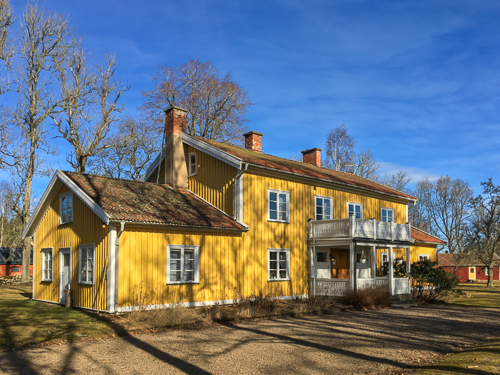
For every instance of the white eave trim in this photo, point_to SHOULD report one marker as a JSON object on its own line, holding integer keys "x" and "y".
{"x": 36, "y": 217}
{"x": 212, "y": 151}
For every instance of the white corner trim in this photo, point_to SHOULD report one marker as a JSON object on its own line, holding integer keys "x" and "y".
{"x": 111, "y": 268}
{"x": 212, "y": 151}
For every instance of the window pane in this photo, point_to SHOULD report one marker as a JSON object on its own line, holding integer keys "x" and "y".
{"x": 272, "y": 255}
{"x": 273, "y": 215}
{"x": 283, "y": 216}
{"x": 283, "y": 207}
{"x": 389, "y": 215}
{"x": 283, "y": 275}
{"x": 273, "y": 206}
{"x": 282, "y": 264}
{"x": 273, "y": 264}
{"x": 319, "y": 201}
{"x": 175, "y": 276}
{"x": 83, "y": 275}
{"x": 273, "y": 196}
{"x": 65, "y": 260}
{"x": 188, "y": 276}
{"x": 282, "y": 198}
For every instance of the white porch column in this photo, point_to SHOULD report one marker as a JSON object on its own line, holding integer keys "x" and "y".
{"x": 373, "y": 258}
{"x": 352, "y": 265}
{"x": 391, "y": 271}
{"x": 408, "y": 267}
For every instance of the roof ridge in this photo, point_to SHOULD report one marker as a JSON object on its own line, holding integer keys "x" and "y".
{"x": 117, "y": 179}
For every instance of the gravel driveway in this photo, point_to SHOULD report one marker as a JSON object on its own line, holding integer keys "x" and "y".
{"x": 343, "y": 343}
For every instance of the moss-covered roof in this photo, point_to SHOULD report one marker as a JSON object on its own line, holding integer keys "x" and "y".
{"x": 297, "y": 167}
{"x": 144, "y": 202}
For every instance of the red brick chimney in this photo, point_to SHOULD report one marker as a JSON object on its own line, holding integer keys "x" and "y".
{"x": 175, "y": 157}
{"x": 253, "y": 141}
{"x": 312, "y": 156}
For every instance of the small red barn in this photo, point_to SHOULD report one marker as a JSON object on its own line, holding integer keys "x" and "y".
{"x": 467, "y": 267}
{"x": 11, "y": 262}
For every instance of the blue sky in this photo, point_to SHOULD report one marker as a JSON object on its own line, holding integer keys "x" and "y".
{"x": 417, "y": 83}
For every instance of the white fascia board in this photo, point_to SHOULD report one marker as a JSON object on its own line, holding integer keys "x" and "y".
{"x": 212, "y": 151}
{"x": 153, "y": 166}
{"x": 49, "y": 195}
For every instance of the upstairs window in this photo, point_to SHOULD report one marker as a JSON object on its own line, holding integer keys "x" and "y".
{"x": 182, "y": 264}
{"x": 278, "y": 205}
{"x": 193, "y": 164}
{"x": 47, "y": 264}
{"x": 66, "y": 208}
{"x": 387, "y": 214}
{"x": 86, "y": 264}
{"x": 422, "y": 257}
{"x": 355, "y": 209}
{"x": 323, "y": 208}
{"x": 278, "y": 264}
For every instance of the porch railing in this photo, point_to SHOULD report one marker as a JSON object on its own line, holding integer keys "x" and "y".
{"x": 359, "y": 228}
{"x": 337, "y": 287}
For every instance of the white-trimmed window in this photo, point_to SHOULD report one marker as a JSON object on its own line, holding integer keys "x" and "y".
{"x": 86, "y": 264}
{"x": 387, "y": 214}
{"x": 278, "y": 264}
{"x": 422, "y": 257}
{"x": 323, "y": 207}
{"x": 193, "y": 164}
{"x": 182, "y": 264}
{"x": 66, "y": 208}
{"x": 355, "y": 209}
{"x": 278, "y": 204}
{"x": 47, "y": 264}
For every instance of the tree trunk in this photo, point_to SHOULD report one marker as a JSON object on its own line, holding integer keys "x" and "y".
{"x": 490, "y": 277}
{"x": 25, "y": 275}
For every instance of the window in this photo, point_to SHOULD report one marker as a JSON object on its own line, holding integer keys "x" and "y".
{"x": 323, "y": 208}
{"x": 66, "y": 208}
{"x": 355, "y": 209}
{"x": 47, "y": 263}
{"x": 387, "y": 214}
{"x": 422, "y": 257}
{"x": 278, "y": 205}
{"x": 278, "y": 261}
{"x": 86, "y": 264}
{"x": 182, "y": 264}
{"x": 16, "y": 269}
{"x": 321, "y": 257}
{"x": 193, "y": 165}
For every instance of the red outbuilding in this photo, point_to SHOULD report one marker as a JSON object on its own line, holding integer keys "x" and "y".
{"x": 11, "y": 262}
{"x": 467, "y": 267}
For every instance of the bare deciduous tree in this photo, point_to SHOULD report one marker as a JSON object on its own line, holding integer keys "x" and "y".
{"x": 397, "y": 181}
{"x": 484, "y": 232}
{"x": 10, "y": 215}
{"x": 6, "y": 20}
{"x": 133, "y": 149}
{"x": 216, "y": 105}
{"x": 366, "y": 165}
{"x": 339, "y": 148}
{"x": 44, "y": 42}
{"x": 89, "y": 105}
{"x": 446, "y": 202}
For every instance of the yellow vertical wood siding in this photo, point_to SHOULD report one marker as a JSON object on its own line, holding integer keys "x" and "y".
{"x": 86, "y": 228}
{"x": 213, "y": 181}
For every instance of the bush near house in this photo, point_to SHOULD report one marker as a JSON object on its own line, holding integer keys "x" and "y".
{"x": 428, "y": 281}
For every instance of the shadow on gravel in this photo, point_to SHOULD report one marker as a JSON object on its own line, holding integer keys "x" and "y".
{"x": 457, "y": 370}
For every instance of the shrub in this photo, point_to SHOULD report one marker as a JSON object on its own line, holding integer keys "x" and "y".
{"x": 367, "y": 298}
{"x": 429, "y": 280}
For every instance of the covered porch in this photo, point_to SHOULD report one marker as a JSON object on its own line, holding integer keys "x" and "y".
{"x": 349, "y": 254}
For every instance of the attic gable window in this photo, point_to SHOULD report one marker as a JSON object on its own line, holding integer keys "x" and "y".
{"x": 182, "y": 264}
{"x": 66, "y": 208}
{"x": 278, "y": 205}
{"x": 193, "y": 166}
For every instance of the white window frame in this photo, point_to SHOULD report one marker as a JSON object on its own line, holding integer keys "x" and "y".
{"x": 191, "y": 165}
{"x": 355, "y": 204}
{"x": 425, "y": 256}
{"x": 387, "y": 210}
{"x": 80, "y": 252}
{"x": 182, "y": 248}
{"x": 277, "y": 251}
{"x": 278, "y": 192}
{"x": 323, "y": 199}
{"x": 61, "y": 198}
{"x": 44, "y": 251}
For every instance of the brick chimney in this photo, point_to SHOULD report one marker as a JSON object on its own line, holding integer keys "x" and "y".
{"x": 175, "y": 158}
{"x": 253, "y": 141}
{"x": 312, "y": 156}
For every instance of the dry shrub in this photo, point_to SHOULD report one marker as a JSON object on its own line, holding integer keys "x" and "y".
{"x": 320, "y": 304}
{"x": 367, "y": 298}
{"x": 255, "y": 305}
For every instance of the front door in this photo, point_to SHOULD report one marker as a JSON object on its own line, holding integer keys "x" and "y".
{"x": 472, "y": 273}
{"x": 65, "y": 274}
{"x": 339, "y": 259}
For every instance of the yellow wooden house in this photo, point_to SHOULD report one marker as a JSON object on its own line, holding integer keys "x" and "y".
{"x": 212, "y": 221}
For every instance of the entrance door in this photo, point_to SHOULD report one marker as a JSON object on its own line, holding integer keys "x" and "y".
{"x": 339, "y": 259}
{"x": 322, "y": 264}
{"x": 472, "y": 273}
{"x": 65, "y": 273}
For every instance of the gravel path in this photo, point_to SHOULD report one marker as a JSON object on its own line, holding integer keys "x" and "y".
{"x": 343, "y": 343}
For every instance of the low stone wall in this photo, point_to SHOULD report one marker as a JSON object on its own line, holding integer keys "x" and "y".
{"x": 10, "y": 280}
